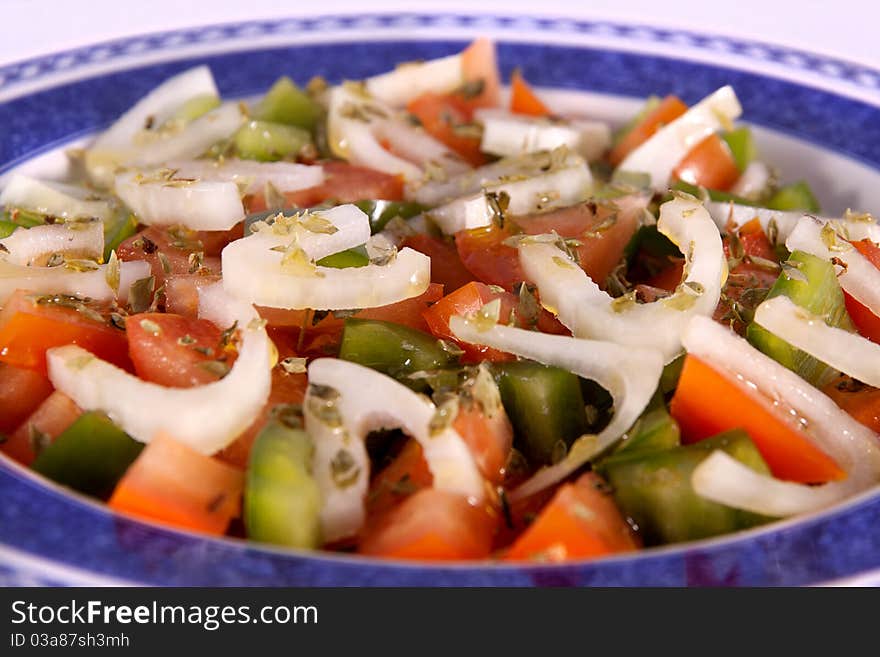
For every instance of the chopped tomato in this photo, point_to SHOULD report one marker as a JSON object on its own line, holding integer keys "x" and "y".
{"x": 601, "y": 236}
{"x": 177, "y": 351}
{"x": 21, "y": 392}
{"x": 489, "y": 439}
{"x": 405, "y": 475}
{"x": 446, "y": 117}
{"x": 173, "y": 484}
{"x": 471, "y": 298}
{"x": 669, "y": 109}
{"x": 669, "y": 278}
{"x": 182, "y": 292}
{"x": 431, "y": 524}
{"x": 343, "y": 183}
{"x": 863, "y": 317}
{"x": 580, "y": 522}
{"x": 858, "y": 399}
{"x": 480, "y": 68}
{"x": 47, "y": 422}
{"x": 446, "y": 267}
{"x": 173, "y": 250}
{"x": 31, "y": 324}
{"x": 523, "y": 99}
{"x": 708, "y": 402}
{"x": 709, "y": 164}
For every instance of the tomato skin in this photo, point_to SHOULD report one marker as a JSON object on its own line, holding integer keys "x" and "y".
{"x": 51, "y": 418}
{"x": 581, "y": 521}
{"x": 708, "y": 402}
{"x": 167, "y": 356}
{"x": 441, "y": 115}
{"x": 168, "y": 251}
{"x": 861, "y": 401}
{"x": 28, "y": 329}
{"x": 173, "y": 484}
{"x": 431, "y": 525}
{"x": 669, "y": 109}
{"x": 21, "y": 393}
{"x": 446, "y": 267}
{"x": 484, "y": 254}
{"x": 405, "y": 475}
{"x": 489, "y": 439}
{"x": 865, "y": 320}
{"x": 343, "y": 183}
{"x": 709, "y": 164}
{"x": 479, "y": 63}
{"x": 523, "y": 99}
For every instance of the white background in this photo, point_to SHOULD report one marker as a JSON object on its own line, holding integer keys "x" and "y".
{"x": 843, "y": 28}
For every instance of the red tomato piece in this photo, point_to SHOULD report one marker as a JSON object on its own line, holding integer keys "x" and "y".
{"x": 49, "y": 420}
{"x": 708, "y": 402}
{"x": 489, "y": 439}
{"x": 173, "y": 350}
{"x": 669, "y": 109}
{"x": 182, "y": 293}
{"x": 29, "y": 325}
{"x": 858, "y": 399}
{"x": 580, "y": 522}
{"x": 172, "y": 251}
{"x": 432, "y": 525}
{"x": 21, "y": 392}
{"x": 445, "y": 117}
{"x": 174, "y": 484}
{"x": 408, "y": 473}
{"x": 863, "y": 317}
{"x": 446, "y": 267}
{"x": 480, "y": 68}
{"x": 523, "y": 99}
{"x": 709, "y": 164}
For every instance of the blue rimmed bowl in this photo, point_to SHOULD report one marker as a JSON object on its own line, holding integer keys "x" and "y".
{"x": 815, "y": 117}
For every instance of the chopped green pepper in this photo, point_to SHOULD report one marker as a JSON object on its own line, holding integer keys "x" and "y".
{"x": 24, "y": 218}
{"x": 7, "y": 228}
{"x": 267, "y": 142}
{"x": 117, "y": 231}
{"x": 381, "y": 212}
{"x": 797, "y": 196}
{"x": 714, "y": 194}
{"x": 654, "y": 490}
{"x": 811, "y": 283}
{"x": 545, "y": 406}
{"x": 90, "y": 456}
{"x": 403, "y": 353}
{"x": 282, "y": 503}
{"x": 654, "y": 431}
{"x": 742, "y": 146}
{"x": 356, "y": 257}
{"x": 287, "y": 103}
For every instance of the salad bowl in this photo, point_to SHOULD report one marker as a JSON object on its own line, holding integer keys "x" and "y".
{"x": 815, "y": 117}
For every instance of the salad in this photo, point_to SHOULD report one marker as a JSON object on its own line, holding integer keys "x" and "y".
{"x": 420, "y": 316}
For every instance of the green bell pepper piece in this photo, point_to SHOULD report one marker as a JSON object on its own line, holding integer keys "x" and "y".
{"x": 24, "y": 218}
{"x": 267, "y": 142}
{"x": 117, "y": 231}
{"x": 282, "y": 503}
{"x": 287, "y": 103}
{"x": 742, "y": 146}
{"x": 546, "y": 408}
{"x": 654, "y": 431}
{"x": 90, "y": 456}
{"x": 714, "y": 194}
{"x": 654, "y": 490}
{"x": 381, "y": 212}
{"x": 7, "y": 228}
{"x": 813, "y": 286}
{"x": 797, "y": 196}
{"x": 356, "y": 257}
{"x": 396, "y": 350}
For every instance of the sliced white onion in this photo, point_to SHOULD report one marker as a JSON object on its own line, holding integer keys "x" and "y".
{"x": 27, "y": 245}
{"x": 847, "y": 352}
{"x": 860, "y": 278}
{"x": 753, "y": 181}
{"x": 852, "y": 445}
{"x": 61, "y": 280}
{"x": 445, "y": 189}
{"x": 630, "y": 374}
{"x": 256, "y": 274}
{"x": 723, "y": 479}
{"x": 589, "y": 312}
{"x": 506, "y": 134}
{"x": 152, "y": 149}
{"x": 412, "y": 79}
{"x": 553, "y": 189}
{"x": 660, "y": 154}
{"x": 157, "y": 107}
{"x": 206, "y": 417}
{"x": 363, "y": 400}
{"x": 417, "y": 146}
{"x": 250, "y": 175}
{"x": 352, "y": 120}
{"x": 53, "y": 198}
{"x": 199, "y": 205}
{"x": 725, "y": 214}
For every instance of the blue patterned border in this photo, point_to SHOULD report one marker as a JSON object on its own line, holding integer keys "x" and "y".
{"x": 31, "y": 70}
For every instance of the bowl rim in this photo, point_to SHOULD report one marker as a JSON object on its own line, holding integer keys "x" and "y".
{"x": 46, "y": 77}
